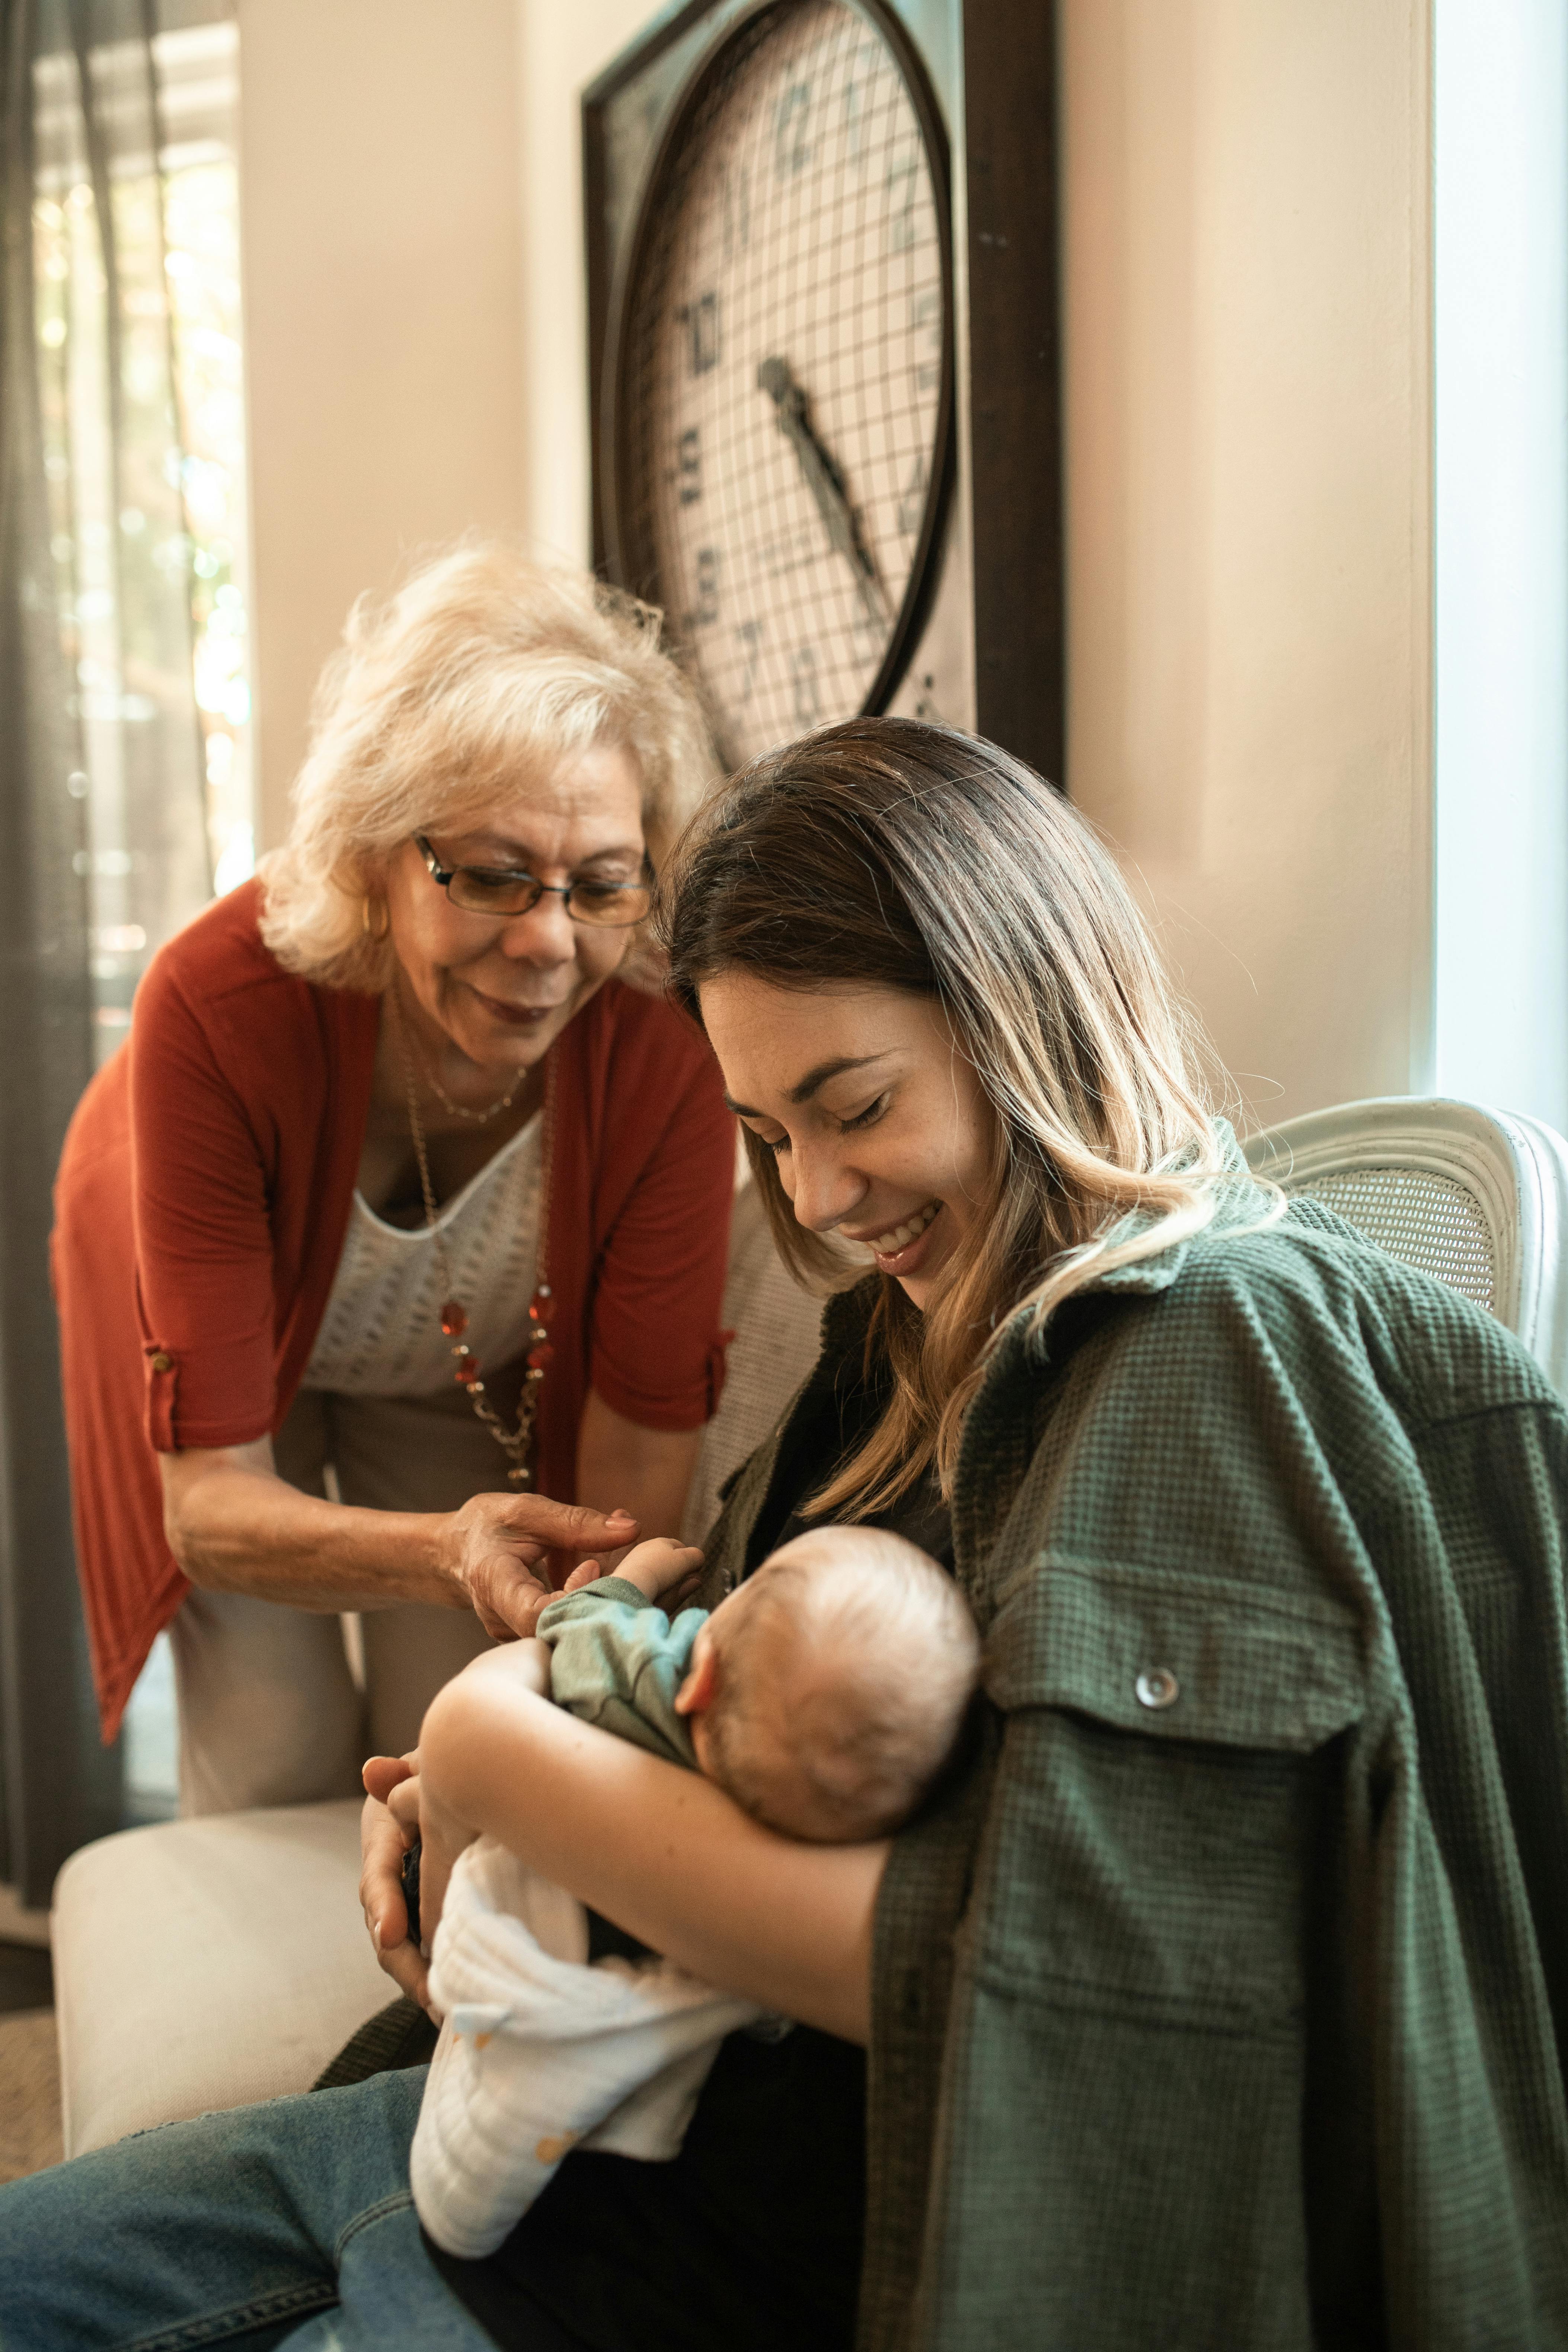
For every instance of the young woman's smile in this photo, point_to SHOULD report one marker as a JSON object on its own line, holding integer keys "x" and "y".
{"x": 877, "y": 1120}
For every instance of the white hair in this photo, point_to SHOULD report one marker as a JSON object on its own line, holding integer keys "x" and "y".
{"x": 483, "y": 670}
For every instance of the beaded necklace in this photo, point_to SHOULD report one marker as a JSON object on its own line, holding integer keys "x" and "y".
{"x": 467, "y": 1371}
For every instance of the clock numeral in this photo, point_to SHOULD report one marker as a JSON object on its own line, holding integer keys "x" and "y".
{"x": 750, "y": 634}
{"x": 688, "y": 466}
{"x": 927, "y": 707}
{"x": 803, "y": 678}
{"x": 912, "y": 505}
{"x": 737, "y": 210}
{"x": 701, "y": 320}
{"x": 903, "y": 178}
{"x": 792, "y": 148}
{"x": 705, "y": 611}
{"x": 854, "y": 122}
{"x": 925, "y": 319}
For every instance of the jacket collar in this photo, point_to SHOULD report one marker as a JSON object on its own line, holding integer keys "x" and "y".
{"x": 1239, "y": 1200}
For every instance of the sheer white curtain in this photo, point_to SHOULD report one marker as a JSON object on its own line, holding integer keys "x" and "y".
{"x": 114, "y": 688}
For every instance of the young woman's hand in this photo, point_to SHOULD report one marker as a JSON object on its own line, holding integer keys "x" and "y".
{"x": 442, "y": 1836}
{"x": 401, "y": 1807}
{"x": 385, "y": 1839}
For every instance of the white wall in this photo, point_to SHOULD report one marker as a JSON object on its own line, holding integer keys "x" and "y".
{"x": 378, "y": 152}
{"x": 1248, "y": 261}
{"x": 1500, "y": 158}
{"x": 1249, "y": 512}
{"x": 559, "y": 50}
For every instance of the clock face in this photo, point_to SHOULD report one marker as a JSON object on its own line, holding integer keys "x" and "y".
{"x": 781, "y": 371}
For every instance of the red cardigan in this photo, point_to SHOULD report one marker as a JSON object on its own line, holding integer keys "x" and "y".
{"x": 200, "y": 1210}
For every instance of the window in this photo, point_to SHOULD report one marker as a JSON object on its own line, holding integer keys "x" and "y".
{"x": 136, "y": 239}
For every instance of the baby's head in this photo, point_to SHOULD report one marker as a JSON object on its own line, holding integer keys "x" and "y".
{"x": 827, "y": 1694}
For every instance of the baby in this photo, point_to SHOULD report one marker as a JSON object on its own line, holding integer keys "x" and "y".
{"x": 825, "y": 1695}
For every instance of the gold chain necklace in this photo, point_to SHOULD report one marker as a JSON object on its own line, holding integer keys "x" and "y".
{"x": 458, "y": 1109}
{"x": 468, "y": 1372}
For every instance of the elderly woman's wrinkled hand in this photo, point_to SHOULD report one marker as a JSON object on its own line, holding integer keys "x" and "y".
{"x": 495, "y": 1549}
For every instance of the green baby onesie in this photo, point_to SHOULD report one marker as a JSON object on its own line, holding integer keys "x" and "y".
{"x": 617, "y": 1661}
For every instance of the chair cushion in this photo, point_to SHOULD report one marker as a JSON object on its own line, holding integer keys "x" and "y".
{"x": 207, "y": 1963}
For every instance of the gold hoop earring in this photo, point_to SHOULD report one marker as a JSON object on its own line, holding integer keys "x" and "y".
{"x": 367, "y": 926}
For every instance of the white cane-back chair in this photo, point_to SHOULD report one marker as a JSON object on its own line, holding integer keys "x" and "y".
{"x": 1477, "y": 1197}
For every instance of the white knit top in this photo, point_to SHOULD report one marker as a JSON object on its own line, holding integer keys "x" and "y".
{"x": 381, "y": 1335}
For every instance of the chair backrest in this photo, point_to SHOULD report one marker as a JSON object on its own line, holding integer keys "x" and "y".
{"x": 1477, "y": 1197}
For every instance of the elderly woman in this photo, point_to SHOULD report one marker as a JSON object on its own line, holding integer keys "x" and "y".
{"x": 399, "y": 1202}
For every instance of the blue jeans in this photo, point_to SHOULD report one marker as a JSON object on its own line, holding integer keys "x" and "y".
{"x": 289, "y": 2223}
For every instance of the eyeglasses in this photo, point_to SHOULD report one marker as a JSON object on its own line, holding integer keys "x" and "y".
{"x": 507, "y": 890}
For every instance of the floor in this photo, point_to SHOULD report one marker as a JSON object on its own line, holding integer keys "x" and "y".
{"x": 29, "y": 2066}
{"x": 29, "y": 2094}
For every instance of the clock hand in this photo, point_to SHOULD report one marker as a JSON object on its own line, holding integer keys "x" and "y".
{"x": 825, "y": 479}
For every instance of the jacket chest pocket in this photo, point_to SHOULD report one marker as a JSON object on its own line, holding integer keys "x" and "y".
{"x": 1166, "y": 1794}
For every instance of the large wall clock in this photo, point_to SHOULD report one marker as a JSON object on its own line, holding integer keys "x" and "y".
{"x": 822, "y": 297}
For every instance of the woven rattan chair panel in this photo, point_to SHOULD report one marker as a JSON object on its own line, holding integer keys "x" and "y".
{"x": 1428, "y": 1221}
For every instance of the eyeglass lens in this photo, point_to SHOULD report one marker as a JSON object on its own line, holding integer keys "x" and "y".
{"x": 611, "y": 905}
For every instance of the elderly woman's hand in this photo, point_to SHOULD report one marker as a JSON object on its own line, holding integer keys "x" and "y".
{"x": 494, "y": 1550}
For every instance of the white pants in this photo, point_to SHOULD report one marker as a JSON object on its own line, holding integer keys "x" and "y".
{"x": 270, "y": 1713}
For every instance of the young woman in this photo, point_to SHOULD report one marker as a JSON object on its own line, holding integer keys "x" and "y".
{"x": 1216, "y": 2000}
{"x": 399, "y": 1075}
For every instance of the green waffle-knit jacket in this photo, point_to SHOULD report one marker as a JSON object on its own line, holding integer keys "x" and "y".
{"x": 1236, "y": 2020}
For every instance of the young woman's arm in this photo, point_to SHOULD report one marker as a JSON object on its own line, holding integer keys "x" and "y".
{"x": 660, "y": 1851}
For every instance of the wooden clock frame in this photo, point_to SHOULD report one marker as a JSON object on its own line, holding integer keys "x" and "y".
{"x": 997, "y": 574}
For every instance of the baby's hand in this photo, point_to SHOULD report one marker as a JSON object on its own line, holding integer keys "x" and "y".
{"x": 661, "y": 1569}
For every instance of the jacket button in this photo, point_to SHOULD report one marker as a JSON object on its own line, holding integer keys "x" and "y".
{"x": 1157, "y": 1687}
{"x": 162, "y": 1364}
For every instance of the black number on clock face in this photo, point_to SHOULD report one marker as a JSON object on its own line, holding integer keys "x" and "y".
{"x": 802, "y": 677}
{"x": 903, "y": 185}
{"x": 750, "y": 635}
{"x": 705, "y": 611}
{"x": 701, "y": 320}
{"x": 792, "y": 148}
{"x": 783, "y": 393}
{"x": 925, "y": 324}
{"x": 737, "y": 202}
{"x": 912, "y": 505}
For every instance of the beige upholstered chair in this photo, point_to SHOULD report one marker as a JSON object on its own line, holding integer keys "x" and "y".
{"x": 208, "y": 1963}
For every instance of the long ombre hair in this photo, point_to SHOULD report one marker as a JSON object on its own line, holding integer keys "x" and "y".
{"x": 889, "y": 854}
